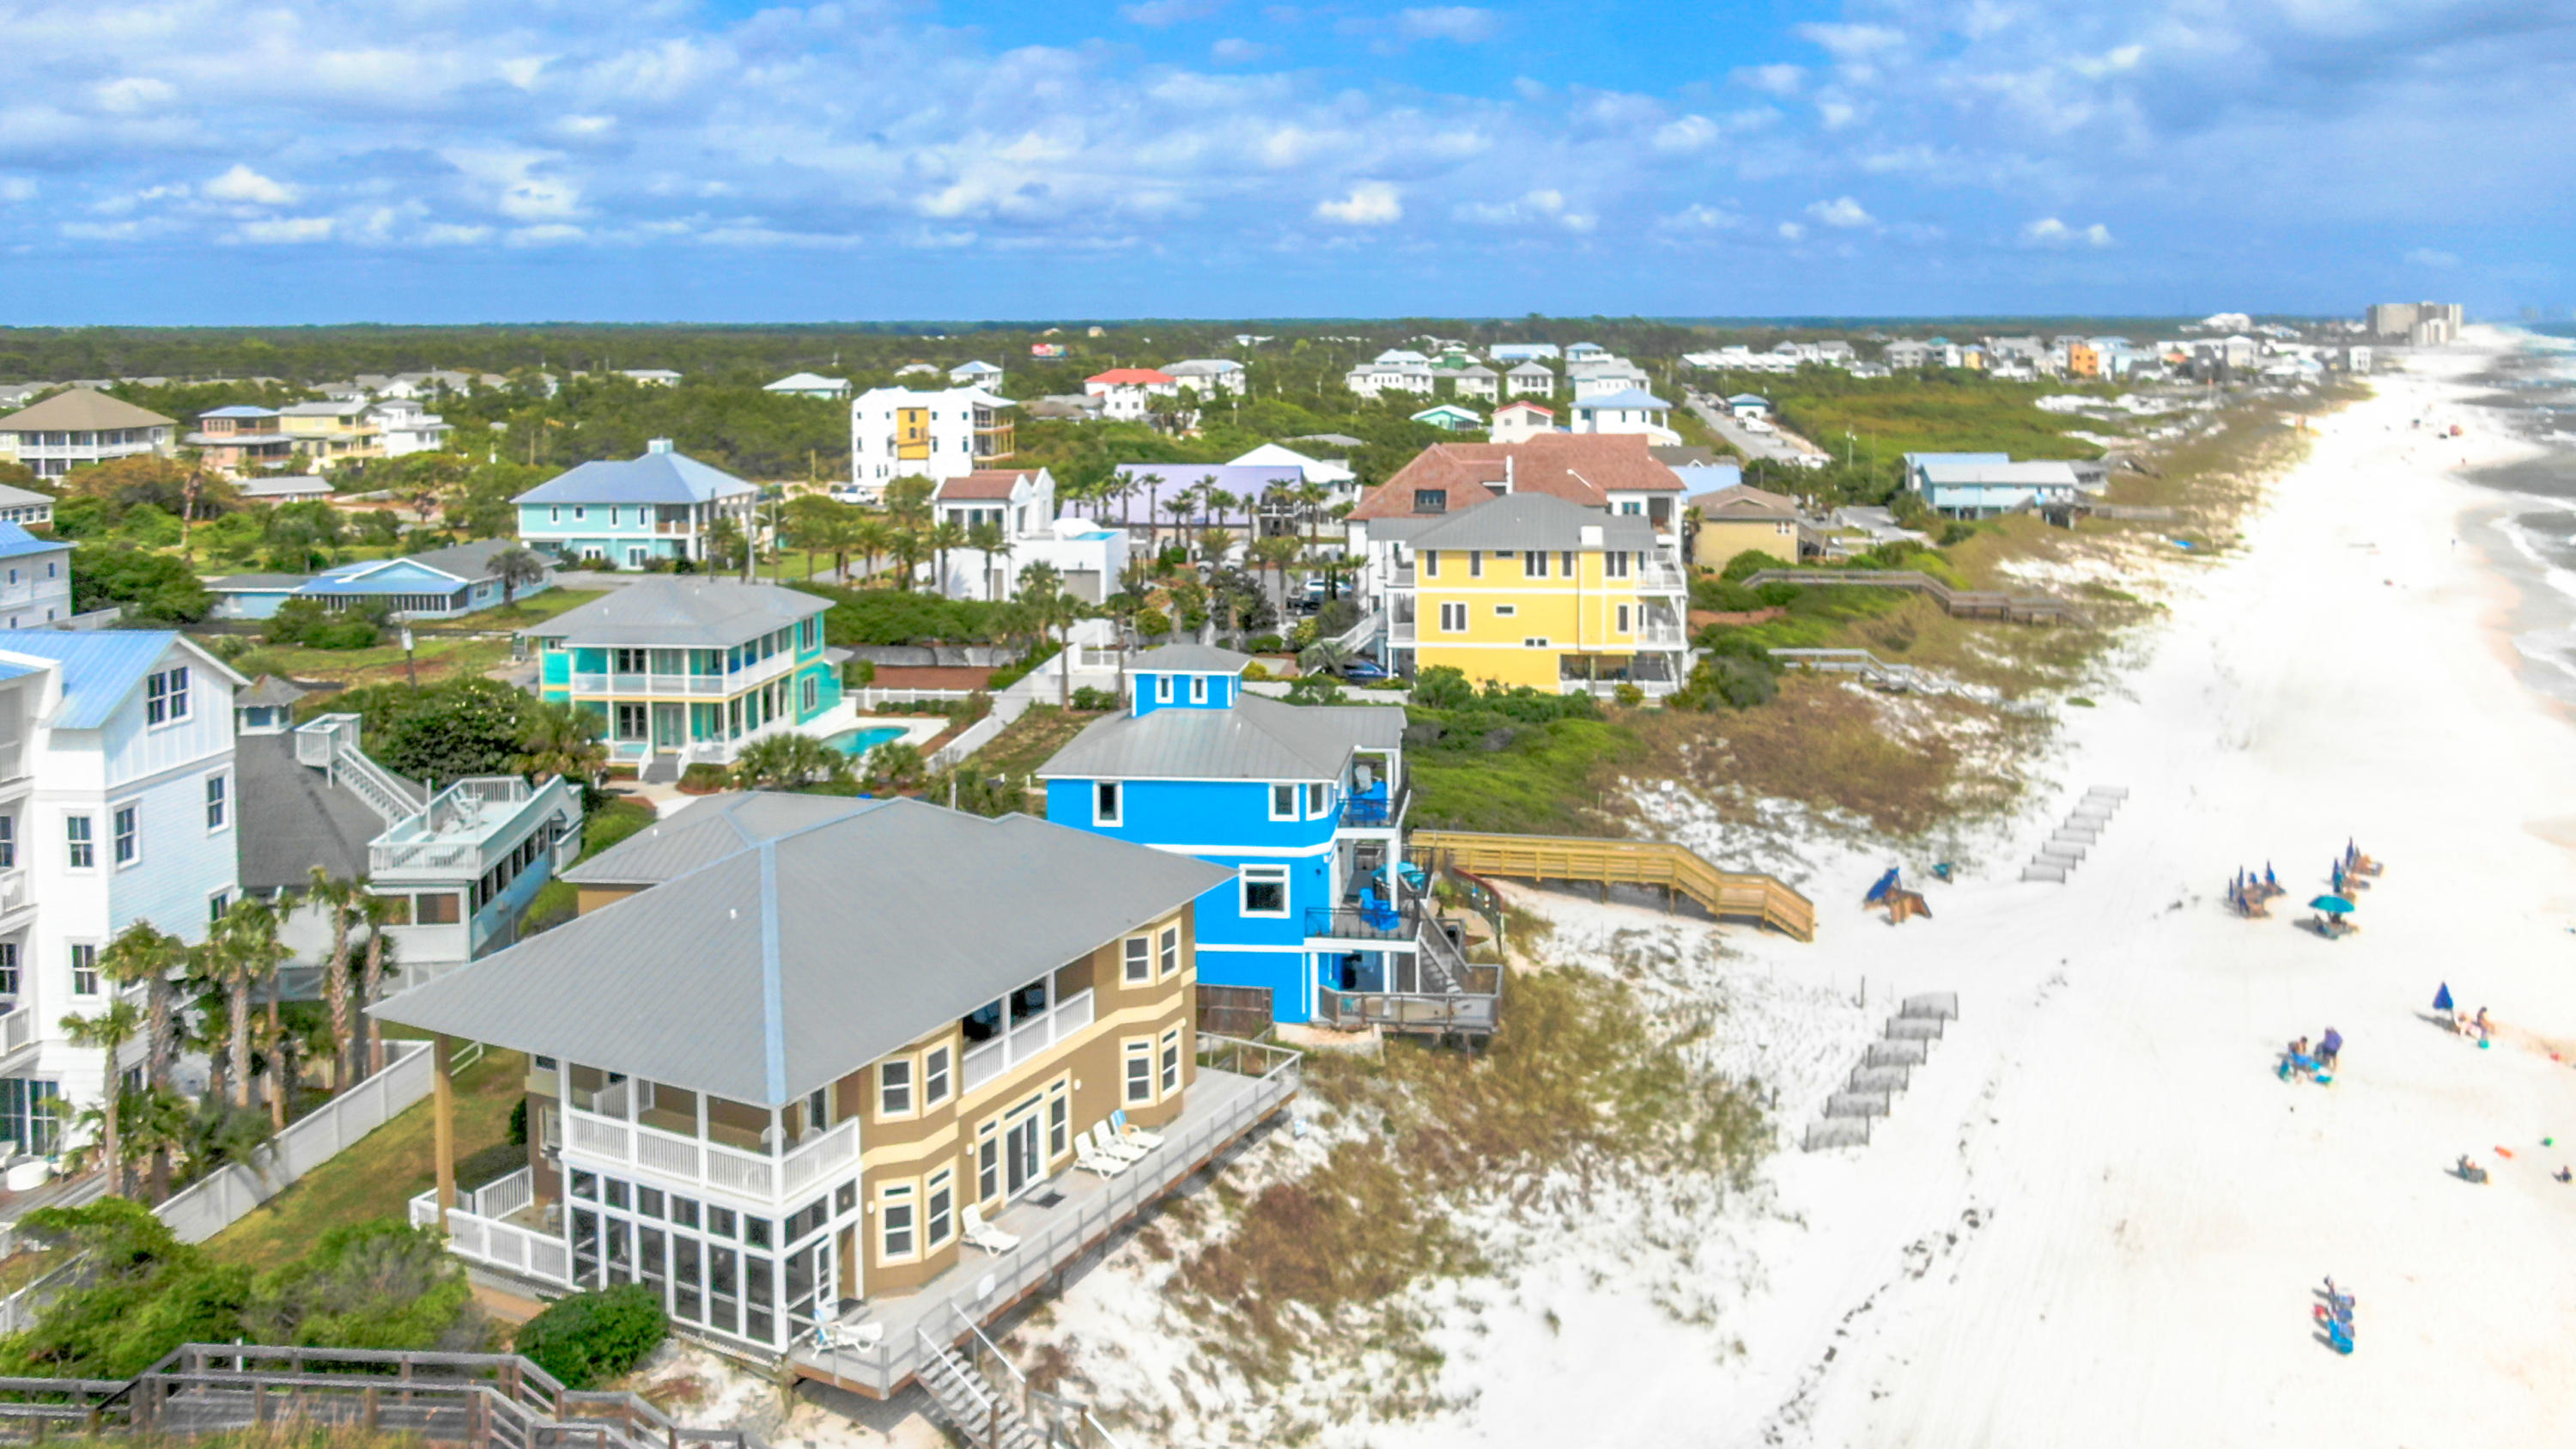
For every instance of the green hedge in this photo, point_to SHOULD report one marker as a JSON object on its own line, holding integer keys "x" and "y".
{"x": 590, "y": 1338}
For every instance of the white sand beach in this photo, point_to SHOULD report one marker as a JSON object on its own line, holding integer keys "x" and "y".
{"x": 2098, "y": 1217}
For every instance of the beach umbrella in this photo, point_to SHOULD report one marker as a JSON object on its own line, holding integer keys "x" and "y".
{"x": 2331, "y": 905}
{"x": 2442, "y": 998}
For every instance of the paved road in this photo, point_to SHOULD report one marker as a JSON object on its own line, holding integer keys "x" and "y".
{"x": 1776, "y": 445}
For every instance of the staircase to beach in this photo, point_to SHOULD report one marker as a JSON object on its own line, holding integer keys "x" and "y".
{"x": 1737, "y": 895}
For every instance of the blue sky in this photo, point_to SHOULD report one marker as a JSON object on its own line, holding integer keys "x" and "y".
{"x": 472, "y": 160}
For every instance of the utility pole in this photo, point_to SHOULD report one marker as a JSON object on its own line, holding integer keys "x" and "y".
{"x": 411, "y": 667}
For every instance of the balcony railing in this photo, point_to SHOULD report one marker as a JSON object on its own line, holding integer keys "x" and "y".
{"x": 710, "y": 1164}
{"x": 17, "y": 1030}
{"x": 1658, "y": 631}
{"x": 1399, "y": 631}
{"x": 14, "y": 892}
{"x": 1025, "y": 1040}
{"x": 687, "y": 685}
{"x": 1658, "y": 577}
{"x": 1376, "y": 812}
{"x": 1364, "y": 923}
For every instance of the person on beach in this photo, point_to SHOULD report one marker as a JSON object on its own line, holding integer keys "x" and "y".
{"x": 2483, "y": 1029}
{"x": 2329, "y": 1047}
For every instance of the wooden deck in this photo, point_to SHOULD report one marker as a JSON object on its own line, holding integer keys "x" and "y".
{"x": 1958, "y": 603}
{"x": 1677, "y": 868}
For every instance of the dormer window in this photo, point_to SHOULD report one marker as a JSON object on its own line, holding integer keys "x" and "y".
{"x": 1198, "y": 689}
{"x": 1430, "y": 500}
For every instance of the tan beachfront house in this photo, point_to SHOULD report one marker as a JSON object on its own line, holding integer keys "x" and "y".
{"x": 796, "y": 1051}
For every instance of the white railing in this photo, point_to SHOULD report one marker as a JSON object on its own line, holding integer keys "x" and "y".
{"x": 330, "y": 743}
{"x": 1400, "y": 631}
{"x": 1660, "y": 577}
{"x": 17, "y": 1030}
{"x": 1656, "y": 632}
{"x": 1024, "y": 1041}
{"x": 680, "y": 684}
{"x": 502, "y": 1198}
{"x": 226, "y": 1195}
{"x": 13, "y": 890}
{"x": 485, "y": 1239}
{"x": 675, "y": 1158}
{"x": 1361, "y": 635}
{"x": 869, "y": 697}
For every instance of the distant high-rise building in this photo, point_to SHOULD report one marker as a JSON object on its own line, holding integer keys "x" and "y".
{"x": 2400, "y": 319}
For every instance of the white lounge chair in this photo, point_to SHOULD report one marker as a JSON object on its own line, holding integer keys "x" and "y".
{"x": 1092, "y": 1159}
{"x": 986, "y": 1236}
{"x": 1131, "y": 1134}
{"x": 1110, "y": 1145}
{"x": 858, "y": 1337}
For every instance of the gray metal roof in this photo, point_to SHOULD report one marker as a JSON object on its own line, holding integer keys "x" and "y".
{"x": 793, "y": 962}
{"x": 680, "y": 613}
{"x": 1997, "y": 475}
{"x": 469, "y": 561}
{"x": 660, "y": 476}
{"x": 707, "y": 831}
{"x": 1257, "y": 738}
{"x": 269, "y": 691}
{"x": 1540, "y": 521}
{"x": 1190, "y": 659}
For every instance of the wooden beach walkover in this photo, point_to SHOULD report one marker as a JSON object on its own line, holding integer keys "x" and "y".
{"x": 1736, "y": 895}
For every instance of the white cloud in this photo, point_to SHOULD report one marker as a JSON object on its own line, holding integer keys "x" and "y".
{"x": 2048, "y": 231}
{"x": 541, "y": 236}
{"x": 2427, "y": 257}
{"x": 1234, "y": 50}
{"x": 1842, "y": 212}
{"x": 1836, "y": 114}
{"x": 241, "y": 184}
{"x": 1690, "y": 133}
{"x": 1540, "y": 207}
{"x": 1700, "y": 216}
{"x": 1853, "y": 42}
{"x": 17, "y": 188}
{"x": 1464, "y": 24}
{"x": 129, "y": 94}
{"x": 288, "y": 229}
{"x": 1778, "y": 80}
{"x": 1791, "y": 231}
{"x": 2110, "y": 62}
{"x": 1371, "y": 203}
{"x": 450, "y": 234}
{"x": 508, "y": 182}
{"x": 1159, "y": 13}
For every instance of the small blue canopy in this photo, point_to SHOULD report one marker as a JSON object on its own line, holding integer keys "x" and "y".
{"x": 2442, "y": 998}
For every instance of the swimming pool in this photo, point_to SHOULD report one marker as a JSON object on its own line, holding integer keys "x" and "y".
{"x": 859, "y": 742}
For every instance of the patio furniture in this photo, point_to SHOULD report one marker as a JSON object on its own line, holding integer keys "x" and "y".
{"x": 859, "y": 1337}
{"x": 29, "y": 1175}
{"x": 986, "y": 1236}
{"x": 1092, "y": 1159}
{"x": 1109, "y": 1144}
{"x": 1130, "y": 1133}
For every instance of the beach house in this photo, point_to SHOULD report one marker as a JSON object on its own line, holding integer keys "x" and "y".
{"x": 1517, "y": 422}
{"x": 1208, "y": 376}
{"x": 240, "y": 440}
{"x": 1629, "y": 410}
{"x": 441, "y": 583}
{"x": 661, "y": 506}
{"x": 1981, "y": 485}
{"x": 81, "y": 426}
{"x": 1127, "y": 394}
{"x": 1304, "y": 808}
{"x": 35, "y": 578}
{"x": 1742, "y": 519}
{"x": 1088, "y": 557}
{"x": 689, "y": 670}
{"x": 809, "y": 384}
{"x": 898, "y": 432}
{"x": 865, "y": 1075}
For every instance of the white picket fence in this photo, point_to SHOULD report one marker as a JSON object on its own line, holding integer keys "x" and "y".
{"x": 227, "y": 1195}
{"x": 868, "y": 697}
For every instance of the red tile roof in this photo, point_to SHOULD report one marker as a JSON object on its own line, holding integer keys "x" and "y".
{"x": 1581, "y": 468}
{"x": 982, "y": 483}
{"x": 1131, "y": 377}
{"x": 1526, "y": 405}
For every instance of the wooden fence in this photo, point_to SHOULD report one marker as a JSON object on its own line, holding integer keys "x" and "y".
{"x": 1676, "y": 868}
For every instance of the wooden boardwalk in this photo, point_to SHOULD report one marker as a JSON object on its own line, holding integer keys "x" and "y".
{"x": 1737, "y": 895}
{"x": 1958, "y": 603}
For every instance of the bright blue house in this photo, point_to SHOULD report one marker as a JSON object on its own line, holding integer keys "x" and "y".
{"x": 634, "y": 511}
{"x": 1305, "y": 804}
{"x": 442, "y": 583}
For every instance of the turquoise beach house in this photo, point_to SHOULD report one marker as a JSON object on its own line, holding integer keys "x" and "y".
{"x": 661, "y": 506}
{"x": 688, "y": 670}
{"x": 1322, "y": 920}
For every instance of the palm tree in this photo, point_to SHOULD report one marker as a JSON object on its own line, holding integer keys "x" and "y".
{"x": 338, "y": 899}
{"x": 871, "y": 536}
{"x": 1054, "y": 610}
{"x": 788, "y": 762}
{"x": 120, "y": 1022}
{"x": 153, "y": 1123}
{"x": 992, "y": 542}
{"x": 248, "y": 952}
{"x": 144, "y": 954}
{"x": 562, "y": 739}
{"x": 947, "y": 534}
{"x": 906, "y": 547}
{"x": 516, "y": 568}
{"x": 379, "y": 912}
{"x": 1180, "y": 506}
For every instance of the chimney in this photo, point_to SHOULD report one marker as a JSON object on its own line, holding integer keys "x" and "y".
{"x": 658, "y": 445}
{"x": 1591, "y": 535}
{"x": 1507, "y": 472}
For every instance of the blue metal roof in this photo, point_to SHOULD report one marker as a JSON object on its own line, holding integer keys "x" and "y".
{"x": 657, "y": 477}
{"x": 16, "y": 541}
{"x": 100, "y": 666}
{"x": 1632, "y": 397}
{"x": 15, "y": 671}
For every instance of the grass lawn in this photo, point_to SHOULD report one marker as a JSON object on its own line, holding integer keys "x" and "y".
{"x": 381, "y": 1172}
{"x": 534, "y": 609}
{"x": 439, "y": 657}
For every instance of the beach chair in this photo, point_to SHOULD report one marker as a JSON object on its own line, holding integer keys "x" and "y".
{"x": 1375, "y": 913}
{"x": 1092, "y": 1159}
{"x": 1107, "y": 1142}
{"x": 1129, "y": 1132}
{"x": 986, "y": 1236}
{"x": 856, "y": 1337}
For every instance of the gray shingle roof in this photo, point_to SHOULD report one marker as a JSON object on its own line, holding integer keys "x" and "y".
{"x": 659, "y": 477}
{"x": 1257, "y": 739}
{"x": 680, "y": 613}
{"x": 467, "y": 561}
{"x": 795, "y": 961}
{"x": 83, "y": 410}
{"x": 269, "y": 691}
{"x": 1536, "y": 520}
{"x": 707, "y": 831}
{"x": 1190, "y": 659}
{"x": 292, "y": 818}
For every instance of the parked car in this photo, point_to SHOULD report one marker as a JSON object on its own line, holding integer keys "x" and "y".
{"x": 1364, "y": 671}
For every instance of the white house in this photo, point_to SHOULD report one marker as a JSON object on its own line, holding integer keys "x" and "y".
{"x": 1127, "y": 393}
{"x": 1087, "y": 556}
{"x": 976, "y": 374}
{"x": 1529, "y": 379}
{"x": 1749, "y": 405}
{"x": 1632, "y": 411}
{"x": 35, "y": 577}
{"x": 1598, "y": 376}
{"x": 119, "y": 807}
{"x": 404, "y": 427}
{"x": 1478, "y": 380}
{"x": 1520, "y": 351}
{"x": 83, "y": 426}
{"x": 651, "y": 376}
{"x": 1018, "y": 501}
{"x": 900, "y": 433}
{"x": 26, "y": 505}
{"x": 809, "y": 384}
{"x": 1330, "y": 473}
{"x": 1980, "y": 485}
{"x": 1394, "y": 370}
{"x": 1518, "y": 422}
{"x": 1208, "y": 376}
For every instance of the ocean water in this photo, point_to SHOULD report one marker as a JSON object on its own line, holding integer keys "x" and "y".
{"x": 2532, "y": 393}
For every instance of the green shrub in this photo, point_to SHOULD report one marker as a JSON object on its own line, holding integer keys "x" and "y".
{"x": 858, "y": 673}
{"x": 1266, "y": 644}
{"x": 1751, "y": 561}
{"x": 702, "y": 779}
{"x": 1732, "y": 680}
{"x": 1088, "y": 698}
{"x": 1629, "y": 696}
{"x": 519, "y": 1123}
{"x": 1011, "y": 674}
{"x": 590, "y": 1338}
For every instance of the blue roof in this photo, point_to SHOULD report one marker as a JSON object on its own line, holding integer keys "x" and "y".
{"x": 16, "y": 542}
{"x": 657, "y": 477}
{"x": 240, "y": 410}
{"x": 392, "y": 576}
{"x": 100, "y": 666}
{"x": 1630, "y": 397}
{"x": 1750, "y": 397}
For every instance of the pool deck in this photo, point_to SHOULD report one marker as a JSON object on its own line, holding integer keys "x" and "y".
{"x": 918, "y": 730}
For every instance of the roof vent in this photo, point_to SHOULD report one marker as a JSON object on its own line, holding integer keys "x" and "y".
{"x": 658, "y": 445}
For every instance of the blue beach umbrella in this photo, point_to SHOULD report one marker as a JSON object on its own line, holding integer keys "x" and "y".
{"x": 2331, "y": 905}
{"x": 2442, "y": 998}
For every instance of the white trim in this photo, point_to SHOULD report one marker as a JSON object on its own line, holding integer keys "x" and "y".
{"x": 1251, "y": 852}
{"x": 1243, "y": 893}
{"x": 231, "y": 805}
{"x": 114, "y": 809}
{"x": 1118, "y": 793}
{"x": 1295, "y": 788}
{"x": 1297, "y": 950}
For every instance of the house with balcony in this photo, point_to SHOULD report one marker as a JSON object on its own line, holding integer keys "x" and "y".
{"x": 241, "y": 440}
{"x": 331, "y": 432}
{"x": 35, "y": 578}
{"x": 631, "y": 512}
{"x": 1129, "y": 393}
{"x": 1318, "y": 918}
{"x": 25, "y": 505}
{"x": 1208, "y": 376}
{"x": 405, "y": 426}
{"x": 897, "y": 432}
{"x": 1630, "y": 410}
{"x": 1088, "y": 557}
{"x": 81, "y": 426}
{"x": 1536, "y": 590}
{"x": 687, "y": 671}
{"x": 1983, "y": 485}
{"x": 853, "y": 1078}
{"x": 118, "y": 803}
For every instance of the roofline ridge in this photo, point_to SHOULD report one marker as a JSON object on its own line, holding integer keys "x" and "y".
{"x": 773, "y": 988}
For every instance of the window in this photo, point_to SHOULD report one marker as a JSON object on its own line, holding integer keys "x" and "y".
{"x": 217, "y": 904}
{"x": 1283, "y": 802}
{"x": 554, "y": 514}
{"x": 1171, "y": 949}
{"x": 1475, "y": 563}
{"x": 1506, "y": 611}
{"x": 1614, "y": 565}
{"x": 1162, "y": 689}
{"x": 894, "y": 1089}
{"x": 165, "y": 696}
{"x": 215, "y": 803}
{"x": 934, "y": 1077}
{"x": 1059, "y": 1121}
{"x": 630, "y": 661}
{"x": 1104, "y": 802}
{"x": 1431, "y": 563}
{"x": 1140, "y": 1072}
{"x": 8, "y": 968}
{"x": 1171, "y": 1061}
{"x": 1565, "y": 563}
{"x": 939, "y": 1207}
{"x": 1533, "y": 643}
{"x": 80, "y": 853}
{"x": 1140, "y": 961}
{"x": 988, "y": 1164}
{"x": 436, "y": 908}
{"x": 1314, "y": 802}
{"x": 1265, "y": 890}
{"x": 1453, "y": 618}
{"x": 632, "y": 721}
{"x": 1534, "y": 564}
{"x": 580, "y": 511}
{"x": 1198, "y": 689}
{"x": 129, "y": 836}
{"x": 8, "y": 842}
{"x": 84, "y": 969}
{"x": 894, "y": 1222}
{"x": 1623, "y": 619}
{"x": 811, "y": 696}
